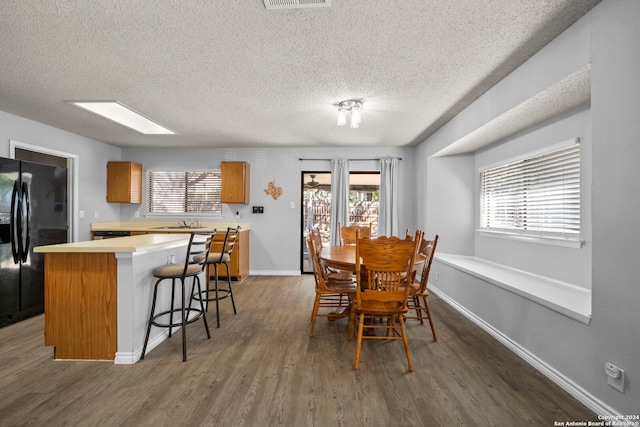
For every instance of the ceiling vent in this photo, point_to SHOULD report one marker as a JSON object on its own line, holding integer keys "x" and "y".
{"x": 296, "y": 4}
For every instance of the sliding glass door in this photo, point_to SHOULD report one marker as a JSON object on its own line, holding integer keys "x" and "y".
{"x": 364, "y": 196}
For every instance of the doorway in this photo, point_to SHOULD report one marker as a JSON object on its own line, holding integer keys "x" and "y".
{"x": 364, "y": 197}
{"x": 22, "y": 151}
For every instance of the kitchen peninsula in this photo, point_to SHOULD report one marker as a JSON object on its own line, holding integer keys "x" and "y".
{"x": 98, "y": 294}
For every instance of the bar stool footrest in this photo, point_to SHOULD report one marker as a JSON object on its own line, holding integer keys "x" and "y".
{"x": 222, "y": 294}
{"x": 177, "y": 311}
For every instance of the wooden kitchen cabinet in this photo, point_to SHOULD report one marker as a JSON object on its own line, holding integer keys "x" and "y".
{"x": 235, "y": 182}
{"x": 239, "y": 263}
{"x": 124, "y": 182}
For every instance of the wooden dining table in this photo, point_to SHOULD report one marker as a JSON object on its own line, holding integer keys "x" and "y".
{"x": 344, "y": 258}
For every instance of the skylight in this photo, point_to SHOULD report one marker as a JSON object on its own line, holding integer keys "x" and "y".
{"x": 123, "y": 115}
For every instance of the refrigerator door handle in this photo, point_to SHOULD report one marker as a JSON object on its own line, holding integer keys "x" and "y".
{"x": 14, "y": 223}
{"x": 26, "y": 222}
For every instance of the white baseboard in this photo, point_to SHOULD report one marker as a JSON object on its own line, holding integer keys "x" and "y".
{"x": 131, "y": 357}
{"x": 274, "y": 273}
{"x": 125, "y": 358}
{"x": 579, "y": 393}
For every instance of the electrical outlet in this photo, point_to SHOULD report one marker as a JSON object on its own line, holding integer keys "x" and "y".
{"x": 436, "y": 276}
{"x": 615, "y": 376}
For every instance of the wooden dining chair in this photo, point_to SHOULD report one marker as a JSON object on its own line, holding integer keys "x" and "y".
{"x": 317, "y": 239}
{"x": 334, "y": 289}
{"x": 348, "y": 233}
{"x": 382, "y": 266}
{"x": 418, "y": 290}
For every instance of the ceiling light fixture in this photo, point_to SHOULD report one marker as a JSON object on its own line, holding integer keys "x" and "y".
{"x": 296, "y": 4}
{"x": 353, "y": 106}
{"x": 123, "y": 115}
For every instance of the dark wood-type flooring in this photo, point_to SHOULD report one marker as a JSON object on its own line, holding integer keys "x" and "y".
{"x": 262, "y": 369}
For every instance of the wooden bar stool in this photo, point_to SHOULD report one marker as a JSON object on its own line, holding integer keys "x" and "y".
{"x": 197, "y": 252}
{"x": 217, "y": 259}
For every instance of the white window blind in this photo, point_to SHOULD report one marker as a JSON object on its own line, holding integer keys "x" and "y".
{"x": 184, "y": 192}
{"x": 537, "y": 196}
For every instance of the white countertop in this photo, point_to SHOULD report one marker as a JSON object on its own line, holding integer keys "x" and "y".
{"x": 150, "y": 226}
{"x": 141, "y": 243}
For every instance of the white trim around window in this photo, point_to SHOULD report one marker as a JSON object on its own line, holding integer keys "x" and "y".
{"x": 183, "y": 193}
{"x": 535, "y": 197}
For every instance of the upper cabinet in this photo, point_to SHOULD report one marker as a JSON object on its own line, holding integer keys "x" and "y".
{"x": 235, "y": 182}
{"x": 124, "y": 182}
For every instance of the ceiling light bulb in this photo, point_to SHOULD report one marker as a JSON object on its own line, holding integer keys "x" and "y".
{"x": 342, "y": 117}
{"x": 355, "y": 116}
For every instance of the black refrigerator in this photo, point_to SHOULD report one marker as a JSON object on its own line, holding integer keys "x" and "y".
{"x": 33, "y": 212}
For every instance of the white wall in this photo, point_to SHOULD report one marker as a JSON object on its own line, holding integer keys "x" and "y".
{"x": 607, "y": 37}
{"x": 616, "y": 195}
{"x": 92, "y": 157}
{"x": 275, "y": 235}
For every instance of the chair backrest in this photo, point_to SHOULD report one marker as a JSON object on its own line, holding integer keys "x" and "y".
{"x": 382, "y": 266}
{"x": 428, "y": 250}
{"x": 418, "y": 235}
{"x": 318, "y": 272}
{"x": 198, "y": 251}
{"x": 317, "y": 238}
{"x": 348, "y": 233}
{"x": 407, "y": 233}
{"x": 229, "y": 242}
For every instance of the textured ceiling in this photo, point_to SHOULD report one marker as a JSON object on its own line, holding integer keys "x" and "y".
{"x": 231, "y": 73}
{"x": 568, "y": 93}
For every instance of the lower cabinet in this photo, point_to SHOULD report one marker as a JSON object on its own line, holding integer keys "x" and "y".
{"x": 239, "y": 264}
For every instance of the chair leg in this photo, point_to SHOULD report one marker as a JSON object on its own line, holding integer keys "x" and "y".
{"x": 405, "y": 341}
{"x": 356, "y": 365}
{"x": 352, "y": 320}
{"x": 233, "y": 303}
{"x": 183, "y": 316}
{"x": 207, "y": 285}
{"x": 173, "y": 291}
{"x": 428, "y": 311}
{"x": 418, "y": 308}
{"x": 153, "y": 308}
{"x": 196, "y": 280}
{"x": 215, "y": 267}
{"x": 314, "y": 314}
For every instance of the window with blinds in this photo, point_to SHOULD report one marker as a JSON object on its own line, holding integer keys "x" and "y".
{"x": 184, "y": 192}
{"x": 537, "y": 196}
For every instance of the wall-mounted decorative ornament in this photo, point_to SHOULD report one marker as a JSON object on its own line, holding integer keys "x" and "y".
{"x": 274, "y": 191}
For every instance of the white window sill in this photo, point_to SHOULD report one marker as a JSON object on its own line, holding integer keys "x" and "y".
{"x": 545, "y": 240}
{"x": 565, "y": 298}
